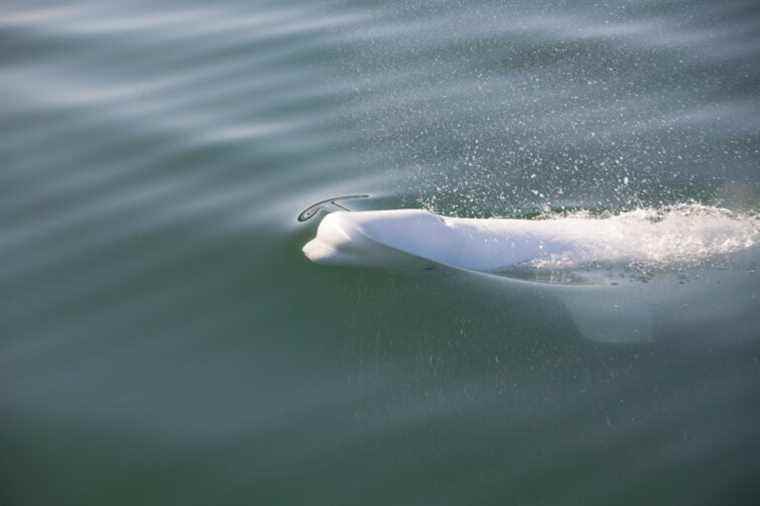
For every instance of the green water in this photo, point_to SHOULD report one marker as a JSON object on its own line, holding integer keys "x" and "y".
{"x": 164, "y": 341}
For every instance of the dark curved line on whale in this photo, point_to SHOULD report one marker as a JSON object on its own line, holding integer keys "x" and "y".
{"x": 312, "y": 210}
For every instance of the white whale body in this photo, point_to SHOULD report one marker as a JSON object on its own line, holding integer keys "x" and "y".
{"x": 357, "y": 238}
{"x": 610, "y": 309}
{"x": 373, "y": 239}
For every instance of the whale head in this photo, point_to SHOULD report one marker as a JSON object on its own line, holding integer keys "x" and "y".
{"x": 373, "y": 238}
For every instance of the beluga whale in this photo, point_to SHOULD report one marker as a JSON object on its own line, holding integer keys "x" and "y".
{"x": 620, "y": 275}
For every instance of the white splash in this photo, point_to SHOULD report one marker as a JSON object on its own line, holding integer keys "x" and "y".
{"x": 668, "y": 237}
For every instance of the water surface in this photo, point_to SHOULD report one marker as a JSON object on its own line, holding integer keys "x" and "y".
{"x": 163, "y": 340}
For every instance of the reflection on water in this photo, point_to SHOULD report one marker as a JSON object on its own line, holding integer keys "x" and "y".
{"x": 164, "y": 341}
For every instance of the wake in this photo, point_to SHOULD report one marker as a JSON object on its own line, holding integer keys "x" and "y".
{"x": 673, "y": 237}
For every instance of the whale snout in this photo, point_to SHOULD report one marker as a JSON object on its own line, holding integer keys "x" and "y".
{"x": 336, "y": 242}
{"x": 318, "y": 252}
